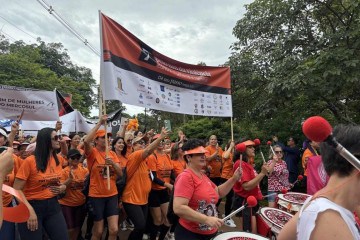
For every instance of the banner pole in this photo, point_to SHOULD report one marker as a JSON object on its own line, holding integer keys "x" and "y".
{"x": 232, "y": 129}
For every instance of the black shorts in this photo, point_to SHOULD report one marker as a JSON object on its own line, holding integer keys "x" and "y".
{"x": 158, "y": 197}
{"x": 103, "y": 207}
{"x": 74, "y": 216}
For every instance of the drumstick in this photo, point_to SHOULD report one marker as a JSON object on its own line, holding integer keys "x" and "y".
{"x": 300, "y": 177}
{"x": 21, "y": 115}
{"x": 262, "y": 156}
{"x": 250, "y": 201}
{"x": 269, "y": 195}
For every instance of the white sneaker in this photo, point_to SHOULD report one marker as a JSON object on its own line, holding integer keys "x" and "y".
{"x": 170, "y": 236}
{"x": 123, "y": 226}
{"x": 230, "y": 223}
{"x": 145, "y": 237}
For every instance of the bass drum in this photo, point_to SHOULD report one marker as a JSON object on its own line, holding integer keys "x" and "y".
{"x": 238, "y": 236}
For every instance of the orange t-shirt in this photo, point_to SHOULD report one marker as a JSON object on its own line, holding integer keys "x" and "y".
{"x": 37, "y": 182}
{"x": 215, "y": 164}
{"x": 138, "y": 182}
{"x": 9, "y": 180}
{"x": 162, "y": 165}
{"x": 123, "y": 161}
{"x": 179, "y": 166}
{"x": 98, "y": 181}
{"x": 307, "y": 153}
{"x": 74, "y": 197}
{"x": 227, "y": 169}
{"x": 129, "y": 151}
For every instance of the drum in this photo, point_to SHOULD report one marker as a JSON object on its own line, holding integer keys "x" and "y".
{"x": 291, "y": 201}
{"x": 270, "y": 221}
{"x": 238, "y": 236}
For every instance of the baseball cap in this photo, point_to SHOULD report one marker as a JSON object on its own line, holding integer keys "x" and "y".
{"x": 101, "y": 133}
{"x": 73, "y": 153}
{"x": 3, "y": 132}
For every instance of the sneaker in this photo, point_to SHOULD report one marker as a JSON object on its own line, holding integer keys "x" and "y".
{"x": 123, "y": 226}
{"x": 129, "y": 223}
{"x": 145, "y": 237}
{"x": 230, "y": 223}
{"x": 170, "y": 236}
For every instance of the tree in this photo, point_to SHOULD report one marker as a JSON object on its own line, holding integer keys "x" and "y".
{"x": 46, "y": 66}
{"x": 294, "y": 59}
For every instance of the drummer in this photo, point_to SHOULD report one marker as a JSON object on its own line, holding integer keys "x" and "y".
{"x": 328, "y": 214}
{"x": 249, "y": 185}
{"x": 279, "y": 175}
{"x": 195, "y": 196}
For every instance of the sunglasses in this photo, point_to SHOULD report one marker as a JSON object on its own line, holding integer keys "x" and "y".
{"x": 55, "y": 138}
{"x": 279, "y": 152}
{"x": 140, "y": 142}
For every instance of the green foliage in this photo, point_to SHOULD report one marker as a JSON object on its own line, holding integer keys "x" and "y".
{"x": 294, "y": 59}
{"x": 46, "y": 66}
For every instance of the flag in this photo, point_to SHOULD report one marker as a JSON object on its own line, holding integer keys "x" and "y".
{"x": 63, "y": 103}
{"x": 134, "y": 73}
{"x": 114, "y": 120}
{"x": 316, "y": 176}
{"x": 37, "y": 104}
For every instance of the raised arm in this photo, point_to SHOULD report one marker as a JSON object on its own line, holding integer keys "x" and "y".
{"x": 91, "y": 135}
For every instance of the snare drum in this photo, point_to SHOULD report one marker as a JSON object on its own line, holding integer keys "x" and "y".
{"x": 270, "y": 221}
{"x": 291, "y": 201}
{"x": 238, "y": 236}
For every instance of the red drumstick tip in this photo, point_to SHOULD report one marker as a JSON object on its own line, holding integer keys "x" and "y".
{"x": 316, "y": 128}
{"x": 300, "y": 177}
{"x": 257, "y": 141}
{"x": 283, "y": 191}
{"x": 268, "y": 142}
{"x": 251, "y": 201}
{"x": 241, "y": 147}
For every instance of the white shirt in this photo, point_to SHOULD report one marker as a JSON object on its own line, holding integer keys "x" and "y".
{"x": 307, "y": 217}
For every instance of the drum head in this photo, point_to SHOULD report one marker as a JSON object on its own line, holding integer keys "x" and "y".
{"x": 294, "y": 197}
{"x": 238, "y": 236}
{"x": 275, "y": 216}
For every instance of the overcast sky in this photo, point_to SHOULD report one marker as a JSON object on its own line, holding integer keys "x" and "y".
{"x": 186, "y": 30}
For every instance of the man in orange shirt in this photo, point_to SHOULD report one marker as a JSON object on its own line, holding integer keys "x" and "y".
{"x": 103, "y": 201}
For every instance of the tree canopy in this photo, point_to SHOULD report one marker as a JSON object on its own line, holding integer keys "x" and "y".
{"x": 46, "y": 66}
{"x": 294, "y": 59}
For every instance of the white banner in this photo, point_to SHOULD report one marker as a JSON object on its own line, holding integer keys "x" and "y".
{"x": 37, "y": 105}
{"x": 71, "y": 122}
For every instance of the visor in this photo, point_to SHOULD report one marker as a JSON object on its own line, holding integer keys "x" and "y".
{"x": 197, "y": 150}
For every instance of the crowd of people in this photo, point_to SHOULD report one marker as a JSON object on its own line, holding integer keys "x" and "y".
{"x": 135, "y": 179}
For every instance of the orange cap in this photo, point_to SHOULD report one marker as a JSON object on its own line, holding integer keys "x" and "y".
{"x": 196, "y": 150}
{"x": 101, "y": 133}
{"x": 249, "y": 143}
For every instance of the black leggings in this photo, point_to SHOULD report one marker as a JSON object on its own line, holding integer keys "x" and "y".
{"x": 138, "y": 215}
{"x": 50, "y": 219}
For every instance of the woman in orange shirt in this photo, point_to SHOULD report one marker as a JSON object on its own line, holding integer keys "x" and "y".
{"x": 177, "y": 158}
{"x": 138, "y": 184}
{"x": 161, "y": 167}
{"x": 39, "y": 180}
{"x": 73, "y": 203}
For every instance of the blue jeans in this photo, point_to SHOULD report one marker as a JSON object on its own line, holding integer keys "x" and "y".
{"x": 7, "y": 231}
{"x": 50, "y": 219}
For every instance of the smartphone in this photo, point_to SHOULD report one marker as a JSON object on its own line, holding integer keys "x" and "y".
{"x": 2, "y": 148}
{"x": 167, "y": 125}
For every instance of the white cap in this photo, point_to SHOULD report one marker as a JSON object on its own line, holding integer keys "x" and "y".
{"x": 2, "y": 132}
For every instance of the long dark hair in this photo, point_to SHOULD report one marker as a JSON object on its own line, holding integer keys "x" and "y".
{"x": 123, "y": 152}
{"x": 43, "y": 149}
